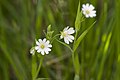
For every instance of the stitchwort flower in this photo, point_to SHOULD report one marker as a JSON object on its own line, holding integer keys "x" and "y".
{"x": 88, "y": 10}
{"x": 66, "y": 34}
{"x": 43, "y": 46}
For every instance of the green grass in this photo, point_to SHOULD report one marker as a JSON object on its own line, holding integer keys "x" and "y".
{"x": 21, "y": 21}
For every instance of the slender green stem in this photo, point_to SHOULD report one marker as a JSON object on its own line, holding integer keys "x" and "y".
{"x": 65, "y": 45}
{"x": 75, "y": 39}
{"x": 54, "y": 37}
{"x": 39, "y": 67}
{"x": 75, "y": 59}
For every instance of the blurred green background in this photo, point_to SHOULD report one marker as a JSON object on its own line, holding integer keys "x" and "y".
{"x": 21, "y": 21}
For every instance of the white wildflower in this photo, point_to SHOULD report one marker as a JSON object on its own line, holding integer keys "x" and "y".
{"x": 66, "y": 34}
{"x": 43, "y": 46}
{"x": 88, "y": 10}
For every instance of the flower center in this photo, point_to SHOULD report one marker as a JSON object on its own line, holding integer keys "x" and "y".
{"x": 42, "y": 46}
{"x": 64, "y": 34}
{"x": 87, "y": 12}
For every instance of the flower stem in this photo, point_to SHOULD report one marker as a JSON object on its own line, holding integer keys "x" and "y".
{"x": 54, "y": 37}
{"x": 65, "y": 45}
{"x": 39, "y": 67}
{"x": 75, "y": 59}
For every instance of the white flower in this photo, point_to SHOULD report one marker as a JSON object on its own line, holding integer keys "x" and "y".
{"x": 43, "y": 46}
{"x": 32, "y": 51}
{"x": 66, "y": 34}
{"x": 88, "y": 10}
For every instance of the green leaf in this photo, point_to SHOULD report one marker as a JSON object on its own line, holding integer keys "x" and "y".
{"x": 107, "y": 43}
{"x": 78, "y": 18}
{"x": 106, "y": 47}
{"x": 81, "y": 37}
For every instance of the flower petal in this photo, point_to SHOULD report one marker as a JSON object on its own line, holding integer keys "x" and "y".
{"x": 71, "y": 31}
{"x": 65, "y": 29}
{"x": 47, "y": 41}
{"x": 37, "y": 43}
{"x": 44, "y": 40}
{"x": 46, "y": 52}
{"x": 38, "y": 50}
{"x": 42, "y": 52}
{"x": 49, "y": 45}
{"x": 61, "y": 37}
{"x": 71, "y": 37}
{"x": 40, "y": 40}
{"x": 66, "y": 40}
{"x": 36, "y": 47}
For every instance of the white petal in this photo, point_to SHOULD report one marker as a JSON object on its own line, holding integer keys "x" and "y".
{"x": 83, "y": 6}
{"x": 71, "y": 31}
{"x": 84, "y": 12}
{"x": 87, "y": 16}
{"x": 49, "y": 45}
{"x": 65, "y": 29}
{"x": 93, "y": 11}
{"x": 94, "y": 15}
{"x": 44, "y": 40}
{"x": 40, "y": 40}
{"x": 61, "y": 37}
{"x": 71, "y": 37}
{"x": 83, "y": 9}
{"x": 32, "y": 51}
{"x": 91, "y": 7}
{"x": 46, "y": 52}
{"x": 37, "y": 43}
{"x": 38, "y": 50}
{"x": 91, "y": 15}
{"x": 47, "y": 41}
{"x": 37, "y": 47}
{"x": 42, "y": 52}
{"x": 87, "y": 5}
{"x": 47, "y": 49}
{"x": 66, "y": 40}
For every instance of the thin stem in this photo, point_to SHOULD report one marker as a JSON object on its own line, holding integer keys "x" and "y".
{"x": 76, "y": 36}
{"x": 75, "y": 39}
{"x": 54, "y": 37}
{"x": 75, "y": 59}
{"x": 39, "y": 67}
{"x": 65, "y": 45}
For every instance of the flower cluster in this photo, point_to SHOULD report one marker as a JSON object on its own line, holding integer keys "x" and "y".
{"x": 44, "y": 46}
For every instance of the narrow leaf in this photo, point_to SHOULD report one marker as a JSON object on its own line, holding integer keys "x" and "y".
{"x": 76, "y": 64}
{"x": 34, "y": 66}
{"x": 78, "y": 18}
{"x": 82, "y": 36}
